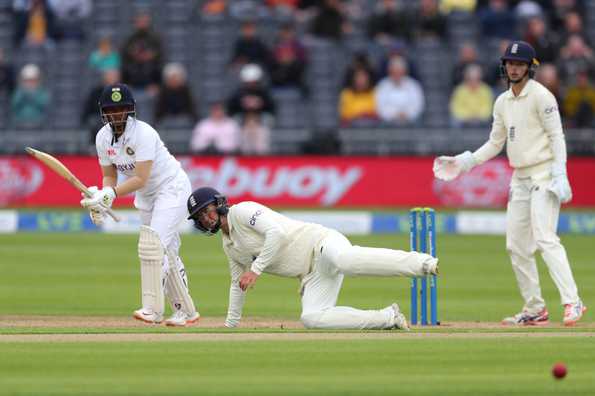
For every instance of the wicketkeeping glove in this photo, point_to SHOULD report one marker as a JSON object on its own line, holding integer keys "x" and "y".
{"x": 448, "y": 168}
{"x": 560, "y": 185}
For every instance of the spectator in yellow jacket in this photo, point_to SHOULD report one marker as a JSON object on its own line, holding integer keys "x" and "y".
{"x": 579, "y": 103}
{"x": 357, "y": 104}
{"x": 471, "y": 101}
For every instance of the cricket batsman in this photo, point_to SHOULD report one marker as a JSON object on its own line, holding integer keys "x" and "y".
{"x": 257, "y": 239}
{"x": 132, "y": 149}
{"x": 527, "y": 120}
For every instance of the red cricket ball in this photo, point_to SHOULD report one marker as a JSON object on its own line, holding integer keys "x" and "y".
{"x": 559, "y": 370}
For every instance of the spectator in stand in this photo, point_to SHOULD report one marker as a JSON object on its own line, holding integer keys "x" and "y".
{"x": 429, "y": 21}
{"x": 142, "y": 56}
{"x": 175, "y": 102}
{"x": 214, "y": 7}
{"x": 559, "y": 9}
{"x": 30, "y": 101}
{"x": 256, "y": 136}
{"x": 289, "y": 61}
{"x": 329, "y": 21}
{"x": 497, "y": 20}
{"x": 89, "y": 117}
{"x": 389, "y": 22}
{"x": 397, "y": 49}
{"x": 104, "y": 57}
{"x": 575, "y": 56}
{"x": 360, "y": 61}
{"x": 249, "y": 48}
{"x": 71, "y": 17}
{"x": 254, "y": 109}
{"x": 547, "y": 75}
{"x": 527, "y": 9}
{"x": 573, "y": 25}
{"x": 6, "y": 75}
{"x": 283, "y": 7}
{"x": 467, "y": 56}
{"x": 216, "y": 134}
{"x": 35, "y": 24}
{"x": 537, "y": 35}
{"x": 579, "y": 103}
{"x": 251, "y": 97}
{"x": 471, "y": 101}
{"x": 399, "y": 98}
{"x": 494, "y": 72}
{"x": 357, "y": 102}
{"x": 448, "y": 6}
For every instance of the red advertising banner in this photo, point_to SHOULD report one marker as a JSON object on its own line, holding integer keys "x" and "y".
{"x": 299, "y": 181}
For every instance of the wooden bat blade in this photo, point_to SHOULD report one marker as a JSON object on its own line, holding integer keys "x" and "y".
{"x": 54, "y": 164}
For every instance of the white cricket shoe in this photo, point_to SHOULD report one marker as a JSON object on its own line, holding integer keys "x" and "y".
{"x": 573, "y": 313}
{"x": 525, "y": 318}
{"x": 181, "y": 319}
{"x": 400, "y": 321}
{"x": 147, "y": 316}
{"x": 430, "y": 266}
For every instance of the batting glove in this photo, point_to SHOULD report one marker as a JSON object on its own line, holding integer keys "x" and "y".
{"x": 97, "y": 216}
{"x": 103, "y": 198}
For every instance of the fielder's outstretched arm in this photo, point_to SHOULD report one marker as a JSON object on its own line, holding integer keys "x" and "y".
{"x": 237, "y": 297}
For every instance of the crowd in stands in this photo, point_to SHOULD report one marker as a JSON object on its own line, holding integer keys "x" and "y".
{"x": 381, "y": 87}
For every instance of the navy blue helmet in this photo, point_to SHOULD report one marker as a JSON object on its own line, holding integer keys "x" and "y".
{"x": 120, "y": 96}
{"x": 520, "y": 51}
{"x": 200, "y": 199}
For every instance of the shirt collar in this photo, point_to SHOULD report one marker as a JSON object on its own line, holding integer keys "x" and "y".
{"x": 526, "y": 89}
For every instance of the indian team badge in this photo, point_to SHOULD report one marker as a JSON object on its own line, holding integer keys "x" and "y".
{"x": 116, "y": 96}
{"x": 129, "y": 151}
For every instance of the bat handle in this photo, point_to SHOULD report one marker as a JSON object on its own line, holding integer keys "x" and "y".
{"x": 113, "y": 215}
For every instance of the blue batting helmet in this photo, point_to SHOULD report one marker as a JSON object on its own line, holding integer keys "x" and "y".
{"x": 200, "y": 199}
{"x": 519, "y": 51}
{"x": 116, "y": 95}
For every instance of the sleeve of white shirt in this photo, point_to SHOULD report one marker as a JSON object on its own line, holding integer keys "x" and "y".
{"x": 237, "y": 297}
{"x": 263, "y": 224}
{"x": 146, "y": 150}
{"x": 552, "y": 124}
{"x": 101, "y": 150}
{"x": 497, "y": 138}
{"x": 416, "y": 102}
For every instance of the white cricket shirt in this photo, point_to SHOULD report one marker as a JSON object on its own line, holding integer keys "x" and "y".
{"x": 262, "y": 240}
{"x": 139, "y": 142}
{"x": 530, "y": 126}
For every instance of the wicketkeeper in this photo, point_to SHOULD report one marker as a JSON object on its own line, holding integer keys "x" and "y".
{"x": 527, "y": 120}
{"x": 257, "y": 239}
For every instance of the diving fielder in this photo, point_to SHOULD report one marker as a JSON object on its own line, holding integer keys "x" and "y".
{"x": 134, "y": 149}
{"x": 527, "y": 119}
{"x": 257, "y": 239}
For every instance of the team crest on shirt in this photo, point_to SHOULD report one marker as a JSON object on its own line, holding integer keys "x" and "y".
{"x": 511, "y": 133}
{"x": 111, "y": 152}
{"x": 129, "y": 151}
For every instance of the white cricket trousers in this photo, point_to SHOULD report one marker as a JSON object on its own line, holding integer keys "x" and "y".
{"x": 169, "y": 210}
{"x": 531, "y": 223}
{"x": 335, "y": 257}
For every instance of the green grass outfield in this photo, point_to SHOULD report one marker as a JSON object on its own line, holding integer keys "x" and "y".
{"x": 79, "y": 275}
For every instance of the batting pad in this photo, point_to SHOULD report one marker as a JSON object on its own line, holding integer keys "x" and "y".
{"x": 151, "y": 252}
{"x": 176, "y": 287}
